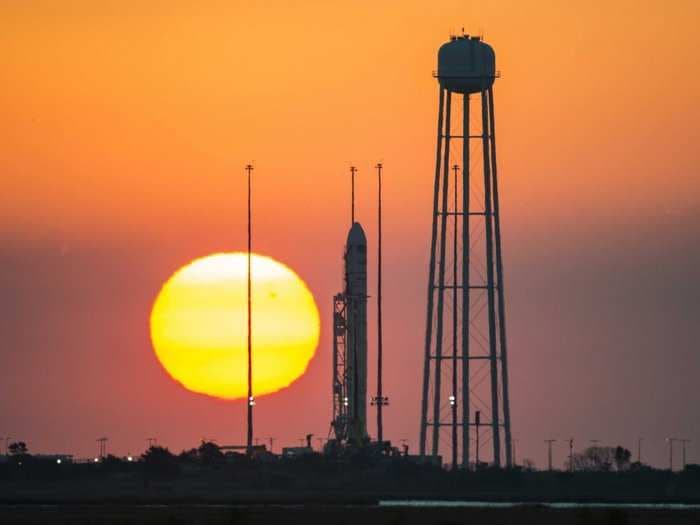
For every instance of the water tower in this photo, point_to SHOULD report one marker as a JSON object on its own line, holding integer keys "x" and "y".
{"x": 465, "y": 376}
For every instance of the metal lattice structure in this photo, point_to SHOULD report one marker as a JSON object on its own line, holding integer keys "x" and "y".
{"x": 465, "y": 369}
{"x": 340, "y": 368}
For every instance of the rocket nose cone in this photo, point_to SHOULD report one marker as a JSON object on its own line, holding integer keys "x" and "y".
{"x": 356, "y": 235}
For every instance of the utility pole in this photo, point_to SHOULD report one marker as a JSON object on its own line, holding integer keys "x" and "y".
{"x": 684, "y": 441}
{"x": 272, "y": 441}
{"x": 549, "y": 451}
{"x": 670, "y": 441}
{"x": 571, "y": 454}
{"x": 477, "y": 420}
{"x": 639, "y": 450}
{"x": 102, "y": 447}
{"x": 251, "y": 399}
{"x": 152, "y": 442}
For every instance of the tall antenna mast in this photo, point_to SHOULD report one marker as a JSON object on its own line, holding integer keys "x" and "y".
{"x": 353, "y": 170}
{"x": 251, "y": 399}
{"x": 379, "y": 400}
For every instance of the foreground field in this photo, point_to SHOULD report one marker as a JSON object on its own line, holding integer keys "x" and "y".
{"x": 335, "y": 514}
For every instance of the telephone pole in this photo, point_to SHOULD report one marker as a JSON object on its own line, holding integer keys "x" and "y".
{"x": 571, "y": 454}
{"x": 670, "y": 441}
{"x": 549, "y": 451}
{"x": 102, "y": 447}
{"x": 684, "y": 441}
{"x": 639, "y": 450}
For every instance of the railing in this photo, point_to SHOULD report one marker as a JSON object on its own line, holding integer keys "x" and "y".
{"x": 496, "y": 74}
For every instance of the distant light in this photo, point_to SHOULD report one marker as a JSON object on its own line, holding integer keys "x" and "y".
{"x": 453, "y": 401}
{"x": 96, "y": 460}
{"x": 58, "y": 461}
{"x": 251, "y": 401}
{"x": 130, "y": 458}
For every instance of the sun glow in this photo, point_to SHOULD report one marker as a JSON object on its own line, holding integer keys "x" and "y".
{"x": 199, "y": 325}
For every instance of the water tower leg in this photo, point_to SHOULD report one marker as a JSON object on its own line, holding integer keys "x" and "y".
{"x": 501, "y": 292}
{"x": 493, "y": 356}
{"x": 441, "y": 279}
{"x": 431, "y": 282}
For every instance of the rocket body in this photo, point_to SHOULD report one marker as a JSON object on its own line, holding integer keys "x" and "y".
{"x": 356, "y": 294}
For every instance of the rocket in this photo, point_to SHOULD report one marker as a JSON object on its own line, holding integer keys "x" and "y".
{"x": 356, "y": 295}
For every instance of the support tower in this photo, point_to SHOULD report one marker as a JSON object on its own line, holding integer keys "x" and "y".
{"x": 465, "y": 368}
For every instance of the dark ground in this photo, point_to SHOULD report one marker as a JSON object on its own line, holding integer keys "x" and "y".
{"x": 337, "y": 515}
{"x": 317, "y": 490}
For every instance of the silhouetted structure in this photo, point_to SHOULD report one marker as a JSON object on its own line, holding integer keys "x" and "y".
{"x": 549, "y": 452}
{"x": 466, "y": 270}
{"x": 684, "y": 443}
{"x": 349, "y": 422}
{"x": 250, "y": 399}
{"x": 380, "y": 400}
{"x": 102, "y": 447}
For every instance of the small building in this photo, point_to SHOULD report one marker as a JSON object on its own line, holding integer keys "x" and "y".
{"x": 54, "y": 458}
{"x": 293, "y": 452}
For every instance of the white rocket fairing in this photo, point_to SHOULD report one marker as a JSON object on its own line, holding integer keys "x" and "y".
{"x": 356, "y": 296}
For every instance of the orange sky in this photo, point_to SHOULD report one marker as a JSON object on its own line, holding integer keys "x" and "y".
{"x": 126, "y": 126}
{"x": 113, "y": 114}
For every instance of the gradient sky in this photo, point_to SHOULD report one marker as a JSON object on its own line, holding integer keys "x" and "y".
{"x": 125, "y": 129}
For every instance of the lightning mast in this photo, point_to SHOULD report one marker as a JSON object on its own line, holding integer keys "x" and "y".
{"x": 379, "y": 400}
{"x": 251, "y": 399}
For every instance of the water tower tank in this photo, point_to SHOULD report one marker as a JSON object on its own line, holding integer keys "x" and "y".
{"x": 466, "y": 65}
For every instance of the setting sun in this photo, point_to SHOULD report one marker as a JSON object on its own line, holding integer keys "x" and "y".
{"x": 199, "y": 319}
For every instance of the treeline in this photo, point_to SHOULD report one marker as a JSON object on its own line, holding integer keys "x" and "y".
{"x": 206, "y": 472}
